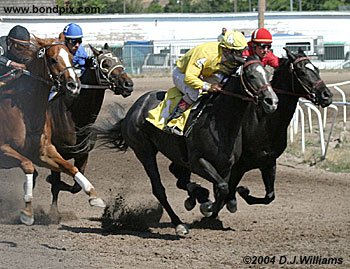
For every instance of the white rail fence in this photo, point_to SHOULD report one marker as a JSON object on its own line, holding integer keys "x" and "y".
{"x": 298, "y": 120}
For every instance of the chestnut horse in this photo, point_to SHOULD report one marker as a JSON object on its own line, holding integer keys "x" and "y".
{"x": 69, "y": 117}
{"x": 25, "y": 132}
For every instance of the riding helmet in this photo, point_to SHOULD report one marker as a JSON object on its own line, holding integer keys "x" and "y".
{"x": 20, "y": 33}
{"x": 233, "y": 40}
{"x": 262, "y": 35}
{"x": 73, "y": 31}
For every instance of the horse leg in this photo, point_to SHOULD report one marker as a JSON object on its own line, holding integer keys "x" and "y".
{"x": 221, "y": 189}
{"x": 268, "y": 174}
{"x": 149, "y": 163}
{"x": 194, "y": 190}
{"x": 54, "y": 161}
{"x": 57, "y": 185}
{"x": 27, "y": 213}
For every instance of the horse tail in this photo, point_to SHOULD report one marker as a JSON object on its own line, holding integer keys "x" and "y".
{"x": 110, "y": 135}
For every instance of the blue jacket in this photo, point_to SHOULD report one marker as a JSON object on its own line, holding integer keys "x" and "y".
{"x": 79, "y": 58}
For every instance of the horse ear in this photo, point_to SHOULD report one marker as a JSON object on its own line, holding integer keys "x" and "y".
{"x": 94, "y": 51}
{"x": 106, "y": 46}
{"x": 290, "y": 55}
{"x": 300, "y": 51}
{"x": 61, "y": 37}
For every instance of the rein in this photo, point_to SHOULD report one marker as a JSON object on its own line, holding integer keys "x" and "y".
{"x": 309, "y": 94}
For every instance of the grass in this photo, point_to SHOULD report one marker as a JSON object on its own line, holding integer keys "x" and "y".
{"x": 338, "y": 152}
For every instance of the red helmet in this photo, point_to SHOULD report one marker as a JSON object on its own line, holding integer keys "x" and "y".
{"x": 261, "y": 35}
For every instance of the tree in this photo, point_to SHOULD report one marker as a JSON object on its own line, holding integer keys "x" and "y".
{"x": 155, "y": 7}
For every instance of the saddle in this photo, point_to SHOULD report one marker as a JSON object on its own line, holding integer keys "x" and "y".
{"x": 159, "y": 116}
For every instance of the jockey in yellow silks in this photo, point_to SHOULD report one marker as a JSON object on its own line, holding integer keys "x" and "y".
{"x": 198, "y": 65}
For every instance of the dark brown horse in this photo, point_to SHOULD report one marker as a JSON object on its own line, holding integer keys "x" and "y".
{"x": 25, "y": 132}
{"x": 70, "y": 118}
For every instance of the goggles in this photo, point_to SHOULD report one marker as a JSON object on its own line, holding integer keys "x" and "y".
{"x": 17, "y": 43}
{"x": 263, "y": 45}
{"x": 74, "y": 41}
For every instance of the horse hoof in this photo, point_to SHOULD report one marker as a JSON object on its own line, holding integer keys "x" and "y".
{"x": 243, "y": 191}
{"x": 25, "y": 219}
{"x": 182, "y": 229}
{"x": 97, "y": 202}
{"x": 190, "y": 203}
{"x": 206, "y": 209}
{"x": 232, "y": 206}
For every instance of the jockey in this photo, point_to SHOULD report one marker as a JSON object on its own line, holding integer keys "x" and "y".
{"x": 202, "y": 63}
{"x": 11, "y": 47}
{"x": 73, "y": 35}
{"x": 260, "y": 44}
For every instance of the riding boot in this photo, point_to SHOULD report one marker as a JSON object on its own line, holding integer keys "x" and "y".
{"x": 182, "y": 106}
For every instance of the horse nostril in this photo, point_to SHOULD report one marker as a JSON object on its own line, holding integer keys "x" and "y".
{"x": 326, "y": 94}
{"x": 72, "y": 85}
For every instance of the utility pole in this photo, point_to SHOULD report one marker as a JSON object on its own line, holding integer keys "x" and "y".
{"x": 235, "y": 9}
{"x": 291, "y": 5}
{"x": 261, "y": 13}
{"x": 124, "y": 7}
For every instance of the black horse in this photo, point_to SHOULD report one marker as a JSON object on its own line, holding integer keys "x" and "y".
{"x": 265, "y": 136}
{"x": 211, "y": 147}
{"x": 70, "y": 118}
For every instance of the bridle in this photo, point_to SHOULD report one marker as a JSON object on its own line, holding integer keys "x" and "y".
{"x": 310, "y": 95}
{"x": 56, "y": 79}
{"x": 247, "y": 86}
{"x": 105, "y": 74}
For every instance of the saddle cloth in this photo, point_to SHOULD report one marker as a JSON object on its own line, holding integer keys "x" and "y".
{"x": 160, "y": 114}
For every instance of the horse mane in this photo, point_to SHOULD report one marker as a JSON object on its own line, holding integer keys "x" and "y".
{"x": 44, "y": 42}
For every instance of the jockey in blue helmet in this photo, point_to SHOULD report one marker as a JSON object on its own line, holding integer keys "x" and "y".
{"x": 73, "y": 36}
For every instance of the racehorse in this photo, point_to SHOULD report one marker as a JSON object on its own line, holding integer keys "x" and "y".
{"x": 25, "y": 136}
{"x": 209, "y": 149}
{"x": 265, "y": 135}
{"x": 69, "y": 116}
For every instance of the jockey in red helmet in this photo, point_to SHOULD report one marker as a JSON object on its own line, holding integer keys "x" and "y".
{"x": 260, "y": 44}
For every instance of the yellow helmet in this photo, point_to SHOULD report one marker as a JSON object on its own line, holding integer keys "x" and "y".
{"x": 234, "y": 40}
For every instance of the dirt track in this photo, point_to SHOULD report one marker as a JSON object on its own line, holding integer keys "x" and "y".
{"x": 310, "y": 217}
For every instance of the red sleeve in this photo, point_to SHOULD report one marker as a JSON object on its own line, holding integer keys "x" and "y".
{"x": 271, "y": 60}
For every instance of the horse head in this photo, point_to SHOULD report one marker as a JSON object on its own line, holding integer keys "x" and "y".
{"x": 112, "y": 70}
{"x": 255, "y": 83}
{"x": 308, "y": 77}
{"x": 59, "y": 61}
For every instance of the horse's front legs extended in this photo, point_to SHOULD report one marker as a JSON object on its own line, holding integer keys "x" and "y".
{"x": 268, "y": 174}
{"x": 195, "y": 191}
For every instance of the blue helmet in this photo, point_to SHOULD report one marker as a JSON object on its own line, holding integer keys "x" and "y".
{"x": 73, "y": 30}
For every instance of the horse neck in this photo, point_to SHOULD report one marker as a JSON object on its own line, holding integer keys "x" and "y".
{"x": 33, "y": 94}
{"x": 87, "y": 105}
{"x": 286, "y": 82}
